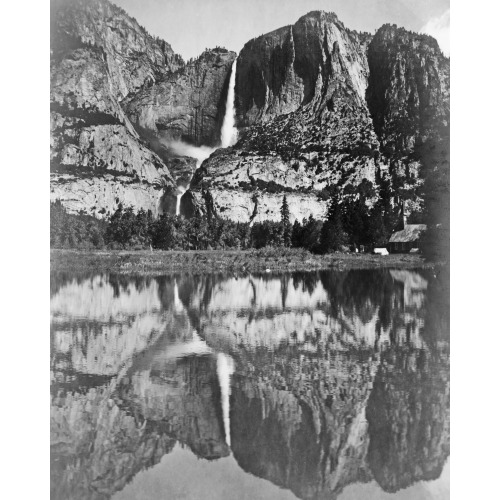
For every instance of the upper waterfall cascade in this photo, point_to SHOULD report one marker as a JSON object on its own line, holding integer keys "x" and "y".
{"x": 228, "y": 137}
{"x": 229, "y": 132}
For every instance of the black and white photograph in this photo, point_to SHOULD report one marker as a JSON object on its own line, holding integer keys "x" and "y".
{"x": 244, "y": 268}
{"x": 250, "y": 241}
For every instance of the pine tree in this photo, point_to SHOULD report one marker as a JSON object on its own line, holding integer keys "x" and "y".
{"x": 285, "y": 222}
{"x": 333, "y": 236}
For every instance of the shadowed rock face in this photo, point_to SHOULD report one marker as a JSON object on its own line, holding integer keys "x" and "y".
{"x": 187, "y": 105}
{"x": 408, "y": 418}
{"x": 296, "y": 65}
{"x": 409, "y": 89}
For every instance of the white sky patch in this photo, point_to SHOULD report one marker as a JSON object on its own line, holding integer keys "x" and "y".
{"x": 439, "y": 28}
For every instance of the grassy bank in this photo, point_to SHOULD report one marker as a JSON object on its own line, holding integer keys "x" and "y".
{"x": 275, "y": 259}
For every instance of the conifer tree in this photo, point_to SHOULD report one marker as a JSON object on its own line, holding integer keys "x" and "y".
{"x": 285, "y": 222}
{"x": 332, "y": 232}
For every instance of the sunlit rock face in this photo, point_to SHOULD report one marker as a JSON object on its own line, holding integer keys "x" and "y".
{"x": 99, "y": 55}
{"x": 137, "y": 57}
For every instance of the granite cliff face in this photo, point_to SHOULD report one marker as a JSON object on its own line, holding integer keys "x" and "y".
{"x": 304, "y": 122}
{"x": 316, "y": 104}
{"x": 187, "y": 105}
{"x": 100, "y": 59}
{"x": 409, "y": 89}
{"x": 320, "y": 105}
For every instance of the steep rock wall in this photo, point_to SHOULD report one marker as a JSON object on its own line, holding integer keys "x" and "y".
{"x": 98, "y": 56}
{"x": 187, "y": 105}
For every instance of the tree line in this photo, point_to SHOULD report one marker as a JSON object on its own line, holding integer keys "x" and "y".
{"x": 350, "y": 224}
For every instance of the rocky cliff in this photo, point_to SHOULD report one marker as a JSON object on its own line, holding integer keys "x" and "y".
{"x": 317, "y": 105}
{"x": 100, "y": 59}
{"x": 187, "y": 105}
{"x": 320, "y": 105}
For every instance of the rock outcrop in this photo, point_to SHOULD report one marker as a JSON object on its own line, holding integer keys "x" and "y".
{"x": 99, "y": 55}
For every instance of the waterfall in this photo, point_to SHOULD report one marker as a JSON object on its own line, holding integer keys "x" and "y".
{"x": 200, "y": 153}
{"x": 228, "y": 137}
{"x": 180, "y": 192}
{"x": 225, "y": 368}
{"x": 229, "y": 132}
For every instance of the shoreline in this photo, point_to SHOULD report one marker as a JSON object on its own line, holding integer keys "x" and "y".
{"x": 159, "y": 262}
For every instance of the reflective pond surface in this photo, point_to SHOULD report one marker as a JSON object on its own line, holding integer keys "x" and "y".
{"x": 302, "y": 385}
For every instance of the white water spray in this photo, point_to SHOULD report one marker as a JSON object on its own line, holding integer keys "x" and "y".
{"x": 229, "y": 132}
{"x": 200, "y": 153}
{"x": 180, "y": 192}
{"x": 225, "y": 369}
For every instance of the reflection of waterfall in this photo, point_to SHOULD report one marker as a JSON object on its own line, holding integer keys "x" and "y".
{"x": 178, "y": 306}
{"x": 229, "y": 132}
{"x": 225, "y": 368}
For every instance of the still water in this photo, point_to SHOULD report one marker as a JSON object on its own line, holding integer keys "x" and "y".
{"x": 304, "y": 385}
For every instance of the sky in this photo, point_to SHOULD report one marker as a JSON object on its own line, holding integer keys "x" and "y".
{"x": 190, "y": 26}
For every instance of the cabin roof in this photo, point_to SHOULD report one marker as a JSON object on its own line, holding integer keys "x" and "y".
{"x": 411, "y": 232}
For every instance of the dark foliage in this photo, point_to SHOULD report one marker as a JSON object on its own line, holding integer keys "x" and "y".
{"x": 285, "y": 222}
{"x": 350, "y": 223}
{"x": 75, "y": 231}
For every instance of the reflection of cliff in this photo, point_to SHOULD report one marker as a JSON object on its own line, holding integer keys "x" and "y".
{"x": 96, "y": 447}
{"x": 301, "y": 423}
{"x": 130, "y": 378}
{"x": 98, "y": 324}
{"x": 345, "y": 309}
{"x": 314, "y": 381}
{"x": 408, "y": 416}
{"x": 184, "y": 394}
{"x": 101, "y": 439}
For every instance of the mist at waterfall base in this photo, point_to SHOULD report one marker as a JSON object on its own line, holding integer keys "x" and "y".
{"x": 228, "y": 137}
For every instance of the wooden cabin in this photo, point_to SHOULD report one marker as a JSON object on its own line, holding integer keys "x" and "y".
{"x": 404, "y": 240}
